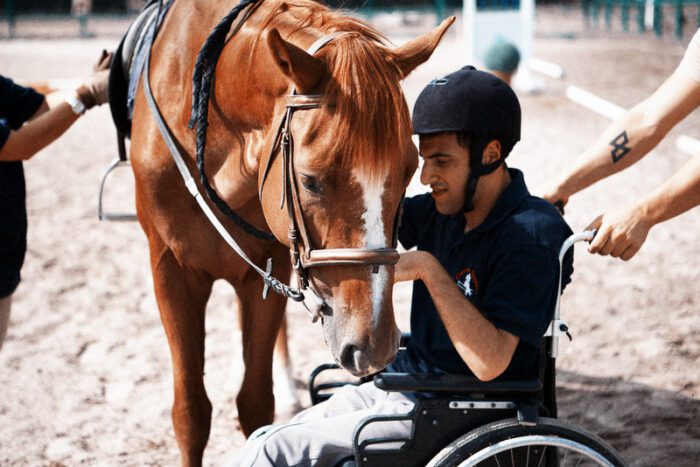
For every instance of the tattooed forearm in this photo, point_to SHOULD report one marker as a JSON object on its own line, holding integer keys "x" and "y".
{"x": 620, "y": 147}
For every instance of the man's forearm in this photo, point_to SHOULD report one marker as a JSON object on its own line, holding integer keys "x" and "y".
{"x": 633, "y": 135}
{"x": 677, "y": 195}
{"x": 624, "y": 142}
{"x": 485, "y": 349}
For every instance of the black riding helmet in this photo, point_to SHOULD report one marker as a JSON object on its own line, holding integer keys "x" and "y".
{"x": 475, "y": 102}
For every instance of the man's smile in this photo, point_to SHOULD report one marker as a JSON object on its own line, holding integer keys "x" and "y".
{"x": 438, "y": 190}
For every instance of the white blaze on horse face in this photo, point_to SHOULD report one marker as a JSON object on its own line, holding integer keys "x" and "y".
{"x": 372, "y": 194}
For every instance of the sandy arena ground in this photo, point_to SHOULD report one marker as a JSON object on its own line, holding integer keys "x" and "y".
{"x": 85, "y": 376}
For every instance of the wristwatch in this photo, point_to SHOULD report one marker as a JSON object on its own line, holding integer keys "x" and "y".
{"x": 76, "y": 105}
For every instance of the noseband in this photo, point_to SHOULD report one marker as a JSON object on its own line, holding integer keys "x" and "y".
{"x": 298, "y": 233}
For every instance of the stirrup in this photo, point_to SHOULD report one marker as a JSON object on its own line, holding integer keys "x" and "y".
{"x": 112, "y": 216}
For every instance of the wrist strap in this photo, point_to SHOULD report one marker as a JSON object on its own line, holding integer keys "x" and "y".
{"x": 76, "y": 105}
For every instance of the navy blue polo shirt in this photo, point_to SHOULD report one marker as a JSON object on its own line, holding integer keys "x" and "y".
{"x": 17, "y": 105}
{"x": 507, "y": 267}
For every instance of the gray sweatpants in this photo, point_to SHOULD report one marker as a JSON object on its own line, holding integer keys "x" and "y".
{"x": 322, "y": 435}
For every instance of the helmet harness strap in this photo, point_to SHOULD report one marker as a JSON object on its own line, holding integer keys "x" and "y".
{"x": 477, "y": 169}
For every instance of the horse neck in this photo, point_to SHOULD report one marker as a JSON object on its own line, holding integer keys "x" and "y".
{"x": 247, "y": 91}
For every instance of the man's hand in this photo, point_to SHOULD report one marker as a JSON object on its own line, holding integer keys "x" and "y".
{"x": 94, "y": 91}
{"x": 412, "y": 265}
{"x": 620, "y": 234}
{"x": 555, "y": 194}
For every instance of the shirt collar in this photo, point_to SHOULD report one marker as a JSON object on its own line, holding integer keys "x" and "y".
{"x": 512, "y": 196}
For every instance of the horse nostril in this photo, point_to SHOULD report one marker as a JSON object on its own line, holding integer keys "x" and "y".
{"x": 347, "y": 356}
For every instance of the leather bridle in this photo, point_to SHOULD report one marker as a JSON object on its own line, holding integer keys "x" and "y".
{"x": 297, "y": 233}
{"x": 304, "y": 258}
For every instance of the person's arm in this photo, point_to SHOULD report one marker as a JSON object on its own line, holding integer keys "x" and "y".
{"x": 485, "y": 349}
{"x": 621, "y": 233}
{"x": 55, "y": 116}
{"x": 43, "y": 128}
{"x": 43, "y": 108}
{"x": 629, "y": 138}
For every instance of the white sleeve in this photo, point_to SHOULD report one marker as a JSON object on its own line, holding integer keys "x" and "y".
{"x": 690, "y": 65}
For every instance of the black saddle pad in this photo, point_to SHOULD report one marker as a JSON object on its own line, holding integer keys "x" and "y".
{"x": 127, "y": 66}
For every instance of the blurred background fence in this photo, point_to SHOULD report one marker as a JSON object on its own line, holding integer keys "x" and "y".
{"x": 64, "y": 6}
{"x": 680, "y": 17}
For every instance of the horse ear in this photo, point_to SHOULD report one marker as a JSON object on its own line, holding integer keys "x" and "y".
{"x": 306, "y": 71}
{"x": 417, "y": 51}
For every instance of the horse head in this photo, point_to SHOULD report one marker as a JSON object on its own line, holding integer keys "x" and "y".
{"x": 337, "y": 159}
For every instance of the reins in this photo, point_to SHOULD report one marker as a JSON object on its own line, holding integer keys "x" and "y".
{"x": 204, "y": 70}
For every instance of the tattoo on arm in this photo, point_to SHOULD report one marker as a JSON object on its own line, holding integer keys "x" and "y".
{"x": 620, "y": 147}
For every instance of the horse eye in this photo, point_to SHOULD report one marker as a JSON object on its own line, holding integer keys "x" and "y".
{"x": 311, "y": 184}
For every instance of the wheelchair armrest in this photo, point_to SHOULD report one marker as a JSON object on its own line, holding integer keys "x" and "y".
{"x": 453, "y": 383}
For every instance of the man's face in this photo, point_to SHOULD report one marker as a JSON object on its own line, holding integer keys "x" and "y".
{"x": 446, "y": 170}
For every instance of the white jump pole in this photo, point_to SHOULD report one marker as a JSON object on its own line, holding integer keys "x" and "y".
{"x": 607, "y": 109}
{"x": 594, "y": 103}
{"x": 545, "y": 68}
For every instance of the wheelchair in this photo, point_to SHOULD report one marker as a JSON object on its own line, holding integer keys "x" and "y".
{"x": 473, "y": 423}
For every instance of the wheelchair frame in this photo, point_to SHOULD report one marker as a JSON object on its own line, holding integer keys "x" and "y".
{"x": 475, "y": 419}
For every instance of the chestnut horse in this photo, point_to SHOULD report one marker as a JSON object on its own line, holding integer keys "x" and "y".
{"x": 352, "y": 159}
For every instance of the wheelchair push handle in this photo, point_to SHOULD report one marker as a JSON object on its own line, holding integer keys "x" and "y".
{"x": 585, "y": 236}
{"x": 557, "y": 326}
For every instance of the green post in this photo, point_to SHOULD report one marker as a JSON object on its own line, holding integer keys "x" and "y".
{"x": 608, "y": 13}
{"x": 83, "y": 22}
{"x": 658, "y": 18}
{"x": 439, "y": 10}
{"x": 640, "y": 16}
{"x": 586, "y": 4}
{"x": 679, "y": 19}
{"x": 369, "y": 7}
{"x": 81, "y": 9}
{"x": 596, "y": 11}
{"x": 10, "y": 13}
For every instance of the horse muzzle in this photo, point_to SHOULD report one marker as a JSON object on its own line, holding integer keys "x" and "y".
{"x": 359, "y": 345}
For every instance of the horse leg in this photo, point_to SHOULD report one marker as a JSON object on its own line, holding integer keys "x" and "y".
{"x": 5, "y": 306}
{"x": 283, "y": 374}
{"x": 182, "y": 296}
{"x": 260, "y": 320}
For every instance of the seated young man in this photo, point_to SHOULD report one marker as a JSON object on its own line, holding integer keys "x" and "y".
{"x": 486, "y": 270}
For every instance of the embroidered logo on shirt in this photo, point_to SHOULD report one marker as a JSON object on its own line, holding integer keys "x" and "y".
{"x": 466, "y": 280}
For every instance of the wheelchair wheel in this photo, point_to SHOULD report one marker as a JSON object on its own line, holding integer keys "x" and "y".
{"x": 508, "y": 443}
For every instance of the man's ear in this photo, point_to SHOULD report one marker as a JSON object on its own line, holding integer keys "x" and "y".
{"x": 492, "y": 152}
